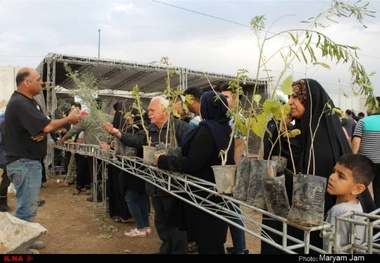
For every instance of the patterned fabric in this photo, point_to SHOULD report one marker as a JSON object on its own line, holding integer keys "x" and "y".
{"x": 301, "y": 91}
{"x": 368, "y": 129}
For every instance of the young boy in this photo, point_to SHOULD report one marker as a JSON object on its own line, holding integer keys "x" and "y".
{"x": 352, "y": 174}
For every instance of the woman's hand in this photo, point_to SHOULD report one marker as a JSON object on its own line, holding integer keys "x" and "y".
{"x": 111, "y": 130}
{"x": 108, "y": 127}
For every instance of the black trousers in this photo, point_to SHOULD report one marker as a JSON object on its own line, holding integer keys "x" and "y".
{"x": 166, "y": 213}
{"x": 83, "y": 172}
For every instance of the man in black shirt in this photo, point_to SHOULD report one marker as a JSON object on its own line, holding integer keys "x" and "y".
{"x": 26, "y": 129}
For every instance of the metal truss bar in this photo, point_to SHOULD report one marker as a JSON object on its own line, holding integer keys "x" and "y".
{"x": 188, "y": 188}
{"x": 370, "y": 221}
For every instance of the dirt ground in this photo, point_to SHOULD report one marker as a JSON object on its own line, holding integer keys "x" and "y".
{"x": 73, "y": 228}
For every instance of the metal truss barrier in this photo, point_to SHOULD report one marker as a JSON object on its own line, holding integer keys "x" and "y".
{"x": 181, "y": 185}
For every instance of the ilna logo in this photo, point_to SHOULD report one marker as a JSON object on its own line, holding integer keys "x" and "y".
{"x": 16, "y": 258}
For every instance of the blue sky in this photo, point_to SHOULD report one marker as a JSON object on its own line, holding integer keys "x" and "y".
{"x": 211, "y": 36}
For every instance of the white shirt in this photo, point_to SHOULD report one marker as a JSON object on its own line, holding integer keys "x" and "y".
{"x": 338, "y": 210}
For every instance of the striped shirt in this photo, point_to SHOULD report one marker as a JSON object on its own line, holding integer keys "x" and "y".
{"x": 368, "y": 129}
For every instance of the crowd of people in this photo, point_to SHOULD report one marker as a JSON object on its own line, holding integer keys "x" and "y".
{"x": 202, "y": 130}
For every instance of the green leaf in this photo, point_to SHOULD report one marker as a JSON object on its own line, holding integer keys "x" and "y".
{"x": 286, "y": 86}
{"x": 257, "y": 98}
{"x": 260, "y": 124}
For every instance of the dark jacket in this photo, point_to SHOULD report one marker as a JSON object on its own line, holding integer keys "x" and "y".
{"x": 349, "y": 124}
{"x": 198, "y": 157}
{"x": 157, "y": 136}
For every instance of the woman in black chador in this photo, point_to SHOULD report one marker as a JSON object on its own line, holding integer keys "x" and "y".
{"x": 200, "y": 151}
{"x": 314, "y": 151}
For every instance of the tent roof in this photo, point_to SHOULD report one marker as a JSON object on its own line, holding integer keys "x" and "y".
{"x": 117, "y": 75}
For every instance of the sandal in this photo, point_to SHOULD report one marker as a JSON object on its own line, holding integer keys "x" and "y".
{"x": 136, "y": 233}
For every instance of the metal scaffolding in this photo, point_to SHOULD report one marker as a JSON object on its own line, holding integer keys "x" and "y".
{"x": 181, "y": 185}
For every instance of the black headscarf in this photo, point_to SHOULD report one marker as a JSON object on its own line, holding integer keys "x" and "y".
{"x": 119, "y": 120}
{"x": 214, "y": 116}
{"x": 329, "y": 142}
